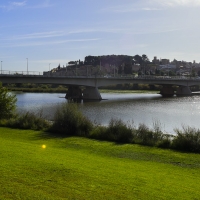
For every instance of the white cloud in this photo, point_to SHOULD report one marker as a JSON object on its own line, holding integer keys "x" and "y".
{"x": 13, "y": 5}
{"x": 44, "y": 4}
{"x": 46, "y": 35}
{"x": 28, "y": 44}
{"x": 158, "y": 31}
{"x": 17, "y": 4}
{"x": 37, "y": 35}
{"x": 175, "y": 3}
{"x": 151, "y": 5}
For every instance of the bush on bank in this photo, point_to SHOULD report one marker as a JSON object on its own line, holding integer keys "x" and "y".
{"x": 152, "y": 137}
{"x": 7, "y": 103}
{"x": 116, "y": 131}
{"x": 68, "y": 120}
{"x": 27, "y": 121}
{"x": 187, "y": 139}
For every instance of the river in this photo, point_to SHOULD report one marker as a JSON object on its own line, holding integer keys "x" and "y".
{"x": 132, "y": 108}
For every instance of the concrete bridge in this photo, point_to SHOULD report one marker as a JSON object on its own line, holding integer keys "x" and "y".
{"x": 83, "y": 87}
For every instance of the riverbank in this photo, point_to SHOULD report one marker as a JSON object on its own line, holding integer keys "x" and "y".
{"x": 51, "y": 88}
{"x": 129, "y": 91}
{"x": 39, "y": 90}
{"x": 34, "y": 166}
{"x": 56, "y": 90}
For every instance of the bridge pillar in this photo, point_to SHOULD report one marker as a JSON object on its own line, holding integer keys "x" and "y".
{"x": 74, "y": 93}
{"x": 91, "y": 93}
{"x": 183, "y": 91}
{"x": 167, "y": 91}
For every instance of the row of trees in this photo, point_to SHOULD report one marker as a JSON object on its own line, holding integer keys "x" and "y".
{"x": 116, "y": 60}
{"x": 122, "y": 62}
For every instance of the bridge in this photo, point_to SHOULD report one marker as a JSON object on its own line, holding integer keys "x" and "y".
{"x": 86, "y": 87}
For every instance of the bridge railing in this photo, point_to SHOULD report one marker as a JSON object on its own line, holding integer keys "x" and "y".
{"x": 8, "y": 72}
{"x": 118, "y": 76}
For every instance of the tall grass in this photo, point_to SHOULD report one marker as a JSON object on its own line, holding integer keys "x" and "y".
{"x": 68, "y": 120}
{"x": 187, "y": 139}
{"x": 28, "y": 120}
{"x": 116, "y": 131}
{"x": 152, "y": 137}
{"x": 121, "y": 132}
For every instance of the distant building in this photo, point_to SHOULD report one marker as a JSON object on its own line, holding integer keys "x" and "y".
{"x": 164, "y": 61}
{"x": 155, "y": 61}
{"x": 167, "y": 66}
{"x": 135, "y": 67}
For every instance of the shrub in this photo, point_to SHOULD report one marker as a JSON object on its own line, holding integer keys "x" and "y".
{"x": 187, "y": 139}
{"x": 99, "y": 132}
{"x": 68, "y": 120}
{"x": 7, "y": 103}
{"x": 28, "y": 121}
{"x": 165, "y": 142}
{"x": 157, "y": 132}
{"x": 144, "y": 135}
{"x": 118, "y": 131}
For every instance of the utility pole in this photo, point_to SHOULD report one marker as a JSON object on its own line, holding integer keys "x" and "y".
{"x": 27, "y": 65}
{"x": 100, "y": 63}
{"x": 49, "y": 69}
{"x": 76, "y": 68}
{"x": 1, "y": 67}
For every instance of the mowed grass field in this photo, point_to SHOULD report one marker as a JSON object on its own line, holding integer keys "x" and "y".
{"x": 34, "y": 166}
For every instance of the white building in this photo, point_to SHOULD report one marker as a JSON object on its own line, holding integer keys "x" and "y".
{"x": 167, "y": 66}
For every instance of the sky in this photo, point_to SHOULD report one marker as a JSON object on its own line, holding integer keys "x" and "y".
{"x": 46, "y": 33}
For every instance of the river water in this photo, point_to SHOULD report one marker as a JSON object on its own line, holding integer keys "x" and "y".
{"x": 132, "y": 108}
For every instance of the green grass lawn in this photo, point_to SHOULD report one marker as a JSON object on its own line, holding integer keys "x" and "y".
{"x": 79, "y": 168}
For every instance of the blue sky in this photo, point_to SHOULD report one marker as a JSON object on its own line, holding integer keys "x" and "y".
{"x": 58, "y": 31}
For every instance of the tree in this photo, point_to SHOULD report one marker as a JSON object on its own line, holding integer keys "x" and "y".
{"x": 138, "y": 59}
{"x": 71, "y": 63}
{"x": 7, "y": 103}
{"x": 145, "y": 58}
{"x": 128, "y": 69}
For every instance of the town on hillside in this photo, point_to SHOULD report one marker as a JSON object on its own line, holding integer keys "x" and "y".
{"x": 118, "y": 65}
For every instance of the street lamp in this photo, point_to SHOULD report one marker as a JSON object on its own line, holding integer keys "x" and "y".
{"x": 27, "y": 65}
{"x": 49, "y": 66}
{"x": 1, "y": 67}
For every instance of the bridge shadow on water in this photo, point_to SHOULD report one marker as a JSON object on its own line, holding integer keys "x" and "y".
{"x": 134, "y": 97}
{"x": 195, "y": 93}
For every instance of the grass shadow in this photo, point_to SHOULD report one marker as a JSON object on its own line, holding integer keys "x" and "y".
{"x": 49, "y": 135}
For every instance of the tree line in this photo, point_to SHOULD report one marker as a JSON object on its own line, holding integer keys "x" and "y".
{"x": 116, "y": 60}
